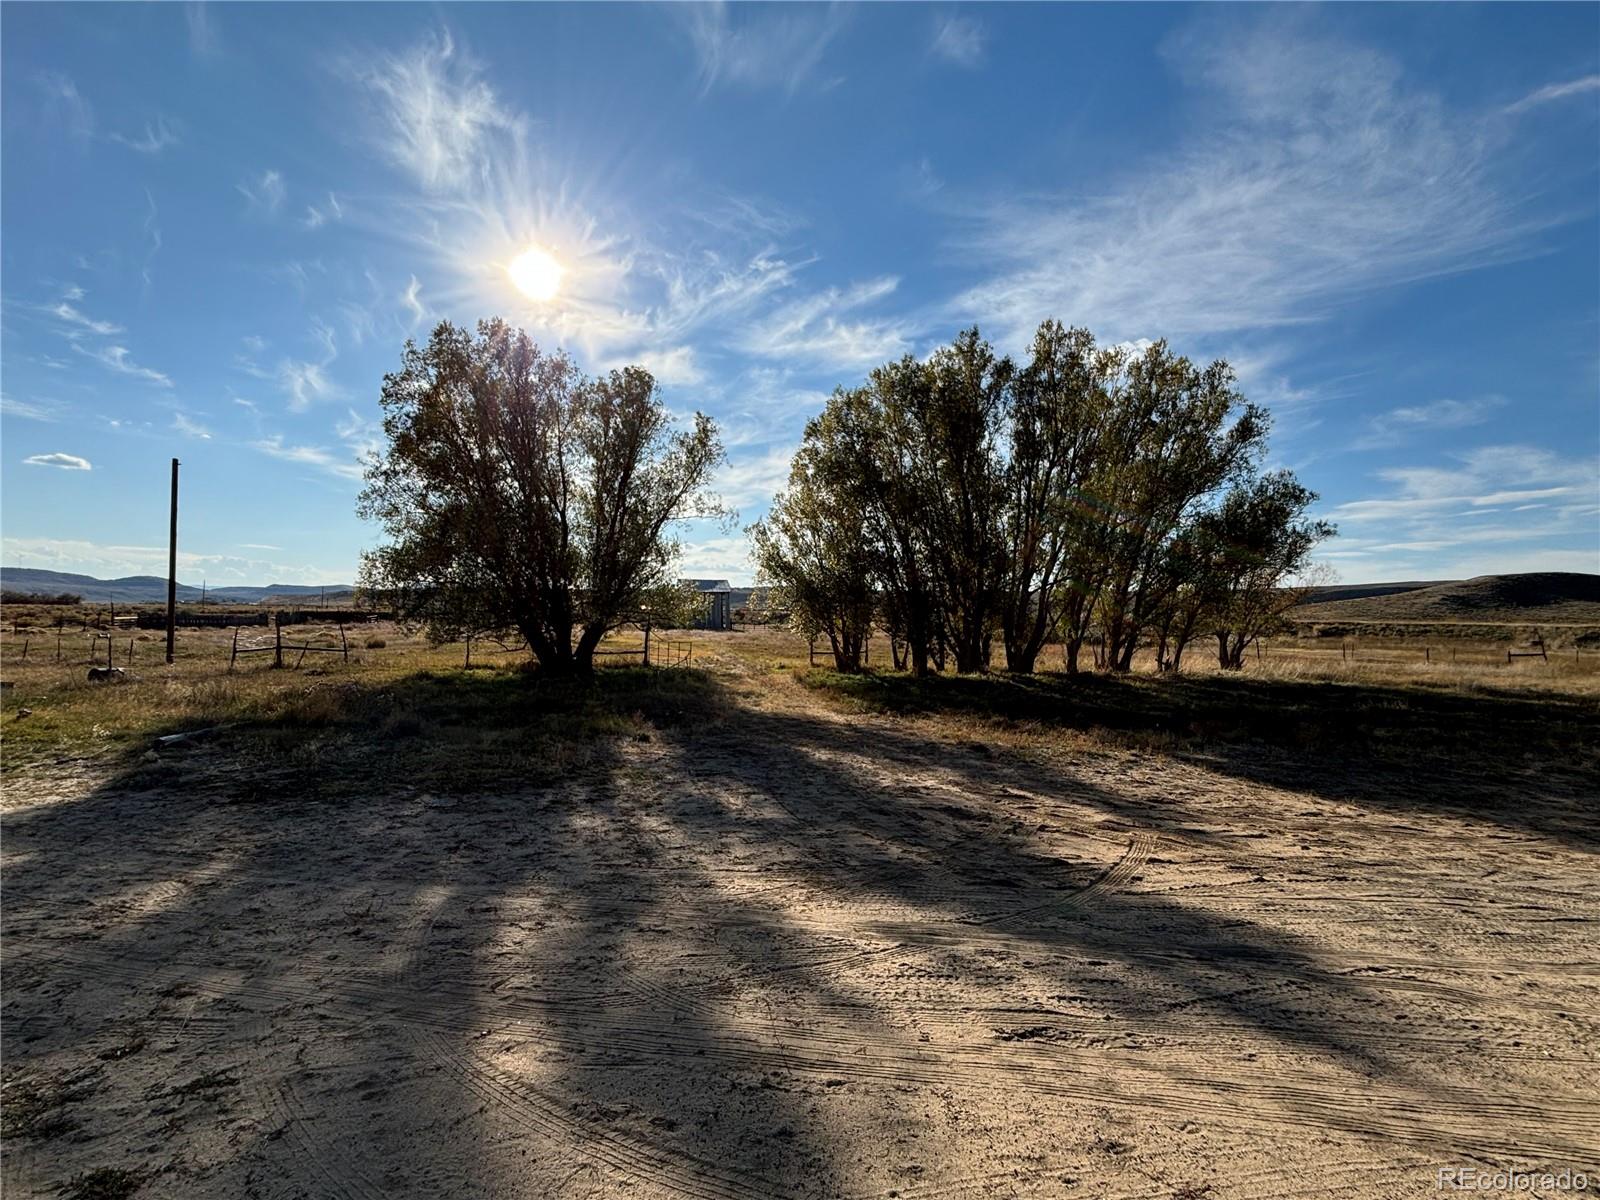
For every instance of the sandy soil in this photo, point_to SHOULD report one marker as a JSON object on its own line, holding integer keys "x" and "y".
{"x": 794, "y": 953}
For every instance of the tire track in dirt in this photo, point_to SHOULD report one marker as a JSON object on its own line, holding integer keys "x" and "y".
{"x": 523, "y": 1104}
{"x": 1274, "y": 1095}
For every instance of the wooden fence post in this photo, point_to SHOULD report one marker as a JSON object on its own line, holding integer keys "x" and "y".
{"x": 277, "y": 655}
{"x": 233, "y": 655}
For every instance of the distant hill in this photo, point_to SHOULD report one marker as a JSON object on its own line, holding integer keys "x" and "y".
{"x": 152, "y": 589}
{"x": 1543, "y": 597}
{"x": 1359, "y": 591}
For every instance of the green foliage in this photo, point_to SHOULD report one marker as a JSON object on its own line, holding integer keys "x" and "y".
{"x": 812, "y": 549}
{"x": 973, "y": 498}
{"x": 672, "y": 604}
{"x": 518, "y": 494}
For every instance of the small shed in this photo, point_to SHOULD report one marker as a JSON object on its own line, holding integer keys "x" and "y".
{"x": 717, "y": 603}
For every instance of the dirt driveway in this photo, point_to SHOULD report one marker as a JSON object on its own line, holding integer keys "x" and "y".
{"x": 795, "y": 952}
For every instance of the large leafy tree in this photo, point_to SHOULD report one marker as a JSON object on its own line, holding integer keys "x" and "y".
{"x": 812, "y": 547}
{"x": 1058, "y": 402}
{"x": 517, "y": 494}
{"x": 1179, "y": 432}
{"x": 1260, "y": 538}
{"x": 959, "y": 424}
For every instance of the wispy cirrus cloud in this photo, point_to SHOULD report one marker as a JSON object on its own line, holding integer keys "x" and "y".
{"x": 189, "y": 427}
{"x": 72, "y": 316}
{"x": 813, "y": 328}
{"x": 264, "y": 193}
{"x": 30, "y": 410}
{"x": 1489, "y": 508}
{"x": 204, "y": 37}
{"x": 435, "y": 113}
{"x": 316, "y": 217}
{"x": 1313, "y": 174}
{"x": 65, "y": 106}
{"x": 334, "y": 463}
{"x": 411, "y": 301}
{"x": 959, "y": 40}
{"x": 64, "y": 462}
{"x": 157, "y": 136}
{"x": 118, "y": 359}
{"x": 486, "y": 197}
{"x": 1398, "y": 424}
{"x": 308, "y": 380}
{"x": 1555, "y": 91}
{"x": 760, "y": 46}
{"x": 1487, "y": 477}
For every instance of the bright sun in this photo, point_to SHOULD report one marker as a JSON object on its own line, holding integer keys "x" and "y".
{"x": 536, "y": 273}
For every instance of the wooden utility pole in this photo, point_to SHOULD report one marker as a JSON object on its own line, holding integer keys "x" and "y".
{"x": 172, "y": 567}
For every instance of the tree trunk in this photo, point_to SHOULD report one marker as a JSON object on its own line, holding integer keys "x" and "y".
{"x": 1021, "y": 660}
{"x": 583, "y": 657}
{"x": 1074, "y": 644}
{"x": 919, "y": 659}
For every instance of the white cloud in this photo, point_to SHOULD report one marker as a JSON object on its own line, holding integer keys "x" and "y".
{"x": 362, "y": 435}
{"x": 1312, "y": 174}
{"x": 749, "y": 480}
{"x": 959, "y": 40}
{"x": 716, "y": 558}
{"x": 153, "y": 232}
{"x": 116, "y": 358}
{"x": 203, "y": 38}
{"x": 66, "y": 462}
{"x": 190, "y": 428}
{"x": 1491, "y": 508}
{"x": 674, "y": 366}
{"x": 627, "y": 295}
{"x": 69, "y": 314}
{"x": 316, "y": 218}
{"x": 157, "y": 136}
{"x": 759, "y": 46}
{"x": 265, "y": 193}
{"x": 307, "y": 380}
{"x": 411, "y": 301}
{"x": 813, "y": 329}
{"x": 29, "y": 410}
{"x": 313, "y": 456}
{"x": 1399, "y": 423}
{"x": 1556, "y": 91}
{"x": 65, "y": 105}
{"x": 437, "y": 113}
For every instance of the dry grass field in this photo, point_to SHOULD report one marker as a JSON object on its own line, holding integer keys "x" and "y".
{"x": 749, "y": 929}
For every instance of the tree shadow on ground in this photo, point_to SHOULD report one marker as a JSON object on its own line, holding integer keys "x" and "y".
{"x": 388, "y": 938}
{"x": 1524, "y": 760}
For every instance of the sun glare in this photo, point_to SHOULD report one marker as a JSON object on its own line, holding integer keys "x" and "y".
{"x": 536, "y": 273}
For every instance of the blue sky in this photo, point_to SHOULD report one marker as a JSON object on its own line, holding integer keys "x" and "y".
{"x": 220, "y": 224}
